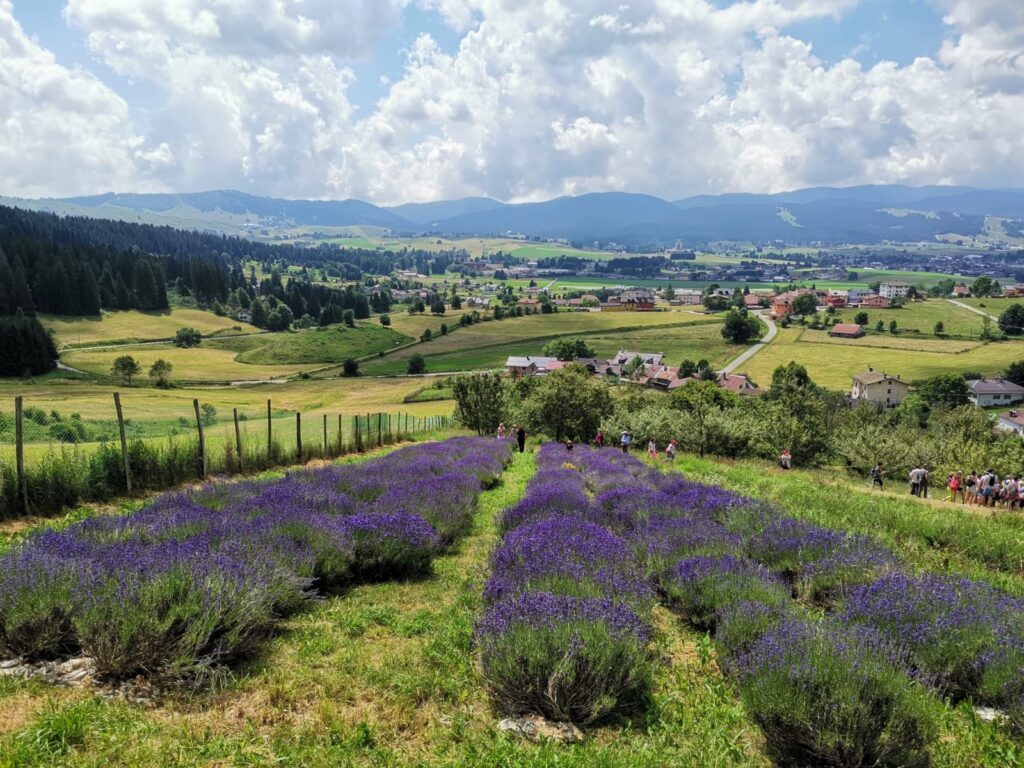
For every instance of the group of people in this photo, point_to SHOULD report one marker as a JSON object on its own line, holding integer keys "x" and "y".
{"x": 986, "y": 489}
{"x": 518, "y": 431}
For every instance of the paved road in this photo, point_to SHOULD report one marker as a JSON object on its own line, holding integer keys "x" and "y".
{"x": 749, "y": 353}
{"x": 969, "y": 308}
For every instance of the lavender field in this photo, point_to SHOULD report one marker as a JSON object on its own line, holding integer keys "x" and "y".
{"x": 393, "y": 611}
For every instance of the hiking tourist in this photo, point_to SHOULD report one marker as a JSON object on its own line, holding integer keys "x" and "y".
{"x": 624, "y": 442}
{"x": 521, "y": 438}
{"x": 876, "y": 474}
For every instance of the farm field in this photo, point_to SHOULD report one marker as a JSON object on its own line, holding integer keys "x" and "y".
{"x": 472, "y": 346}
{"x": 921, "y": 316}
{"x": 248, "y": 358}
{"x": 832, "y": 365}
{"x": 402, "y": 670}
{"x": 132, "y": 325}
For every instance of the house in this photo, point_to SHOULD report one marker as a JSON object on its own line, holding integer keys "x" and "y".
{"x": 1011, "y": 421}
{"x": 528, "y": 303}
{"x": 529, "y": 366}
{"x": 894, "y": 289}
{"x": 961, "y": 291}
{"x": 835, "y": 300}
{"x": 875, "y": 302}
{"x": 637, "y": 300}
{"x": 1013, "y": 291}
{"x": 855, "y": 296}
{"x": 623, "y": 356}
{"x": 847, "y": 331}
{"x": 988, "y": 392}
{"x": 750, "y": 301}
{"x": 734, "y": 382}
{"x": 687, "y": 298}
{"x": 878, "y": 387}
{"x": 781, "y": 306}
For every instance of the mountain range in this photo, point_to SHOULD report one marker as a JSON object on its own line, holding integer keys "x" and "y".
{"x": 863, "y": 214}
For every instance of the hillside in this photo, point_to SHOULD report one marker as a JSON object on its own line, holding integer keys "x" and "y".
{"x": 862, "y": 214}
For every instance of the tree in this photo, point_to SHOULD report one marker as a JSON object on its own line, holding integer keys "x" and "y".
{"x": 456, "y": 302}
{"x": 350, "y": 367}
{"x": 187, "y": 338}
{"x": 568, "y": 403}
{"x": 789, "y": 378}
{"x": 945, "y": 389}
{"x": 893, "y": 326}
{"x": 259, "y": 313}
{"x": 1011, "y": 321}
{"x": 716, "y": 303}
{"x": 417, "y": 365}
{"x": 478, "y": 402}
{"x": 981, "y": 287}
{"x": 444, "y": 329}
{"x": 1015, "y": 373}
{"x": 940, "y": 328}
{"x": 427, "y": 335}
{"x": 437, "y": 306}
{"x": 861, "y": 318}
{"x": 126, "y": 366}
{"x": 25, "y": 346}
{"x": 702, "y": 402}
{"x": 280, "y": 318}
{"x": 740, "y": 327}
{"x": 880, "y": 326}
{"x": 348, "y": 317}
{"x": 159, "y": 371}
{"x": 634, "y": 367}
{"x": 567, "y": 349}
{"x": 687, "y": 368}
{"x": 805, "y": 304}
{"x": 209, "y": 414}
{"x": 385, "y": 320}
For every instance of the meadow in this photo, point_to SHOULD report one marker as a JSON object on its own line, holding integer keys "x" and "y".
{"x": 407, "y": 668}
{"x": 831, "y": 362}
{"x": 133, "y": 326}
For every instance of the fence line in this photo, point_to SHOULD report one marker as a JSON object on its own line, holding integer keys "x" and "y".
{"x": 67, "y": 474}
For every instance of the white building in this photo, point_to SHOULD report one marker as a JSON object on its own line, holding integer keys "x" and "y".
{"x": 988, "y": 392}
{"x": 894, "y": 290}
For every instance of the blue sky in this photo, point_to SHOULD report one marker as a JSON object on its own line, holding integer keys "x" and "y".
{"x": 411, "y": 100}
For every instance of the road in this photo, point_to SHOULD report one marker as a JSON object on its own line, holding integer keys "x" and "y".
{"x": 969, "y": 308}
{"x": 749, "y": 353}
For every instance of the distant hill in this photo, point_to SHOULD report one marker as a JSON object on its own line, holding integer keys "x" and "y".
{"x": 862, "y": 214}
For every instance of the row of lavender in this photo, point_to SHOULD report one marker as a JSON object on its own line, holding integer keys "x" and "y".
{"x": 200, "y": 578}
{"x": 838, "y": 676}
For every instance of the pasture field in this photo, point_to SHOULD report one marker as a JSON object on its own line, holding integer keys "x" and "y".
{"x": 921, "y": 316}
{"x": 832, "y": 364}
{"x": 248, "y": 358}
{"x": 472, "y": 346}
{"x": 133, "y": 325}
{"x": 388, "y": 673}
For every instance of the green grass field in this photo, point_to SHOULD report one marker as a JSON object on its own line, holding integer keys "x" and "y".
{"x": 832, "y": 364}
{"x": 111, "y": 327}
{"x": 477, "y": 346}
{"x": 921, "y": 316}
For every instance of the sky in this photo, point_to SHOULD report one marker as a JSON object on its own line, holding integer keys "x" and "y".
{"x": 395, "y": 101}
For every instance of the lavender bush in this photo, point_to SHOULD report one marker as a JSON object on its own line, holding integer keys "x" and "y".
{"x": 826, "y": 694}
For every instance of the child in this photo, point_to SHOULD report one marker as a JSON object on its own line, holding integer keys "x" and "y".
{"x": 501, "y": 431}
{"x": 955, "y": 484}
{"x": 670, "y": 450}
{"x": 652, "y": 450}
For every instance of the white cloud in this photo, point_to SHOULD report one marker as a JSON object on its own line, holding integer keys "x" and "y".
{"x": 61, "y": 130}
{"x": 541, "y": 97}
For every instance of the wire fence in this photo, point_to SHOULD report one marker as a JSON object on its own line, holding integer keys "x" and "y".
{"x": 50, "y": 460}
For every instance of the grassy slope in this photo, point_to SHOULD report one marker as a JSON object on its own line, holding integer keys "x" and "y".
{"x": 328, "y": 345}
{"x": 922, "y": 316}
{"x": 834, "y": 364}
{"x": 138, "y": 326}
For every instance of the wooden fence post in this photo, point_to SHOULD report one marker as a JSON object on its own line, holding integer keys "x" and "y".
{"x": 124, "y": 443}
{"x": 238, "y": 441}
{"x": 270, "y": 433}
{"x": 202, "y": 439}
{"x": 341, "y": 444}
{"x": 380, "y": 440}
{"x": 298, "y": 434}
{"x": 19, "y": 452}
{"x": 325, "y": 435}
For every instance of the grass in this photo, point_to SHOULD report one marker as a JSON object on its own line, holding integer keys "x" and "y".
{"x": 325, "y": 345}
{"x": 832, "y": 367}
{"x": 476, "y": 346}
{"x": 131, "y": 326}
{"x": 921, "y": 316}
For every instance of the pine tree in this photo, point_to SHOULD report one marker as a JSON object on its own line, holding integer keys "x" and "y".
{"x": 122, "y": 300}
{"x": 259, "y": 314}
{"x": 87, "y": 291}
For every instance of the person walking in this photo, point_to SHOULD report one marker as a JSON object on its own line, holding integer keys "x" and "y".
{"x": 971, "y": 488}
{"x": 521, "y": 438}
{"x": 786, "y": 459}
{"x": 877, "y": 473}
{"x": 915, "y": 481}
{"x": 501, "y": 431}
{"x": 652, "y": 450}
{"x": 624, "y": 442}
{"x": 955, "y": 485}
{"x": 670, "y": 450}
{"x": 599, "y": 439}
{"x": 923, "y": 481}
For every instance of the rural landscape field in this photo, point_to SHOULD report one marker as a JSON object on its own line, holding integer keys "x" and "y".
{"x": 473, "y": 384}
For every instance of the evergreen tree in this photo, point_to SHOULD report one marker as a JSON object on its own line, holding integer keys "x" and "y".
{"x": 259, "y": 314}
{"x": 88, "y": 292}
{"x": 122, "y": 299}
{"x": 25, "y": 346}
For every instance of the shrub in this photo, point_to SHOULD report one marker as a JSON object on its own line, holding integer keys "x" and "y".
{"x": 390, "y": 545}
{"x": 570, "y": 659}
{"x": 827, "y": 696}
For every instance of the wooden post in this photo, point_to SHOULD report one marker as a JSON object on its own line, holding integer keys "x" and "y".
{"x": 369, "y": 432}
{"x": 341, "y": 444}
{"x": 356, "y": 433}
{"x": 238, "y": 441}
{"x": 270, "y": 433}
{"x": 298, "y": 434}
{"x": 380, "y": 440}
{"x": 202, "y": 440}
{"x": 325, "y": 435}
{"x": 19, "y": 451}
{"x": 124, "y": 443}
